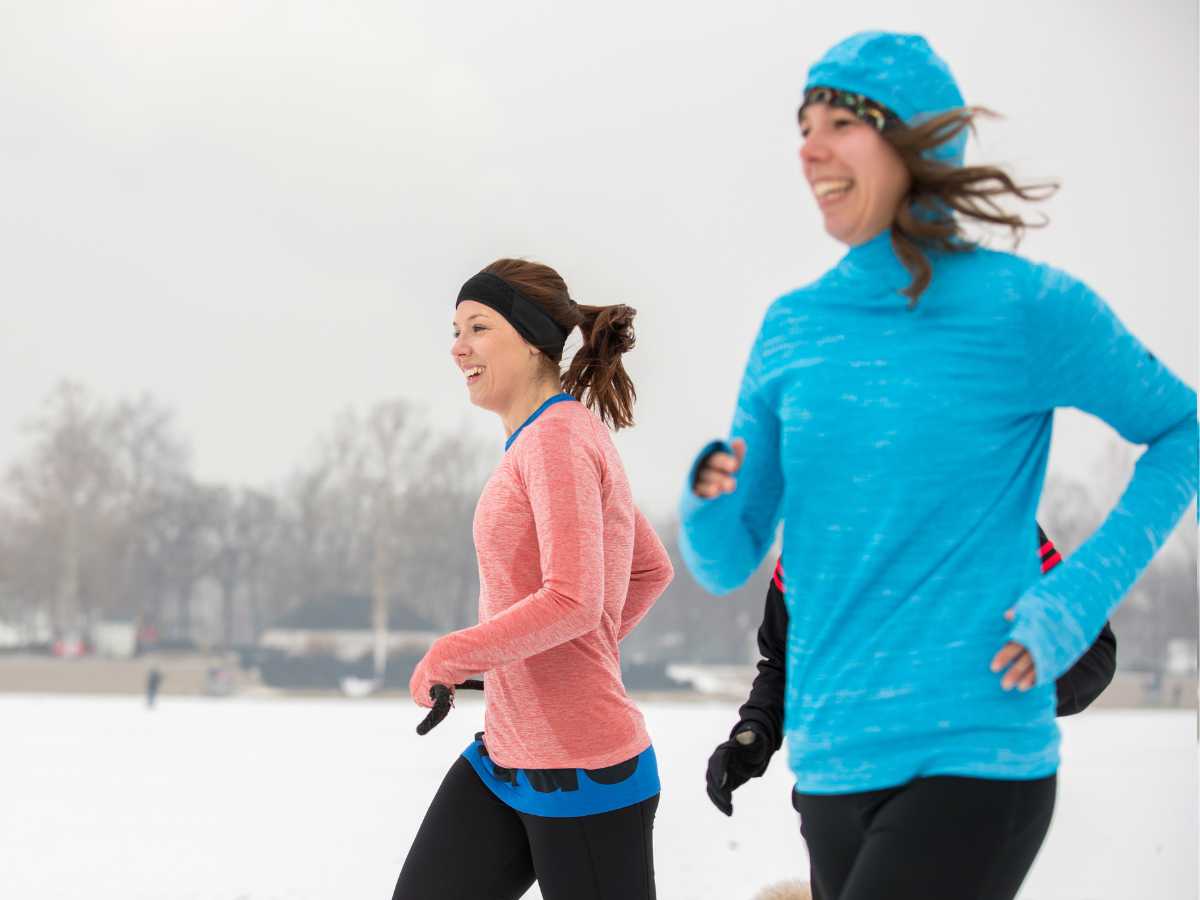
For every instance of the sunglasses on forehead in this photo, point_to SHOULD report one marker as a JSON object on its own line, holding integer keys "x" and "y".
{"x": 874, "y": 114}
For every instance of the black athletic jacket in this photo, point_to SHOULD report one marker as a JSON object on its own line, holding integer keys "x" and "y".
{"x": 1077, "y": 688}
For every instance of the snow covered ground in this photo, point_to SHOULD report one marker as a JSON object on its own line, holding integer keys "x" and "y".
{"x": 318, "y": 800}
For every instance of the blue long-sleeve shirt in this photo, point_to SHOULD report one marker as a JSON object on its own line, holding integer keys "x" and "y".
{"x": 890, "y": 442}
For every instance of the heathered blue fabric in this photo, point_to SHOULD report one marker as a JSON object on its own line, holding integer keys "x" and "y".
{"x": 902, "y": 72}
{"x": 904, "y": 452}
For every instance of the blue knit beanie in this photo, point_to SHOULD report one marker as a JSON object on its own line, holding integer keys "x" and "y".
{"x": 899, "y": 71}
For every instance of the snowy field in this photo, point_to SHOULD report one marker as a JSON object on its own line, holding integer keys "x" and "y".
{"x": 319, "y": 799}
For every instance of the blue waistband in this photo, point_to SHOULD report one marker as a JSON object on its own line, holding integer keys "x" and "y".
{"x": 565, "y": 793}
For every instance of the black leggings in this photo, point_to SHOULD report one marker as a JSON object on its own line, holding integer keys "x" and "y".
{"x": 471, "y": 846}
{"x": 940, "y": 838}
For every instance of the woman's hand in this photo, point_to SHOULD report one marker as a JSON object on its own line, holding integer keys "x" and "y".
{"x": 1017, "y": 660}
{"x": 429, "y": 671}
{"x": 716, "y": 474}
{"x": 744, "y": 756}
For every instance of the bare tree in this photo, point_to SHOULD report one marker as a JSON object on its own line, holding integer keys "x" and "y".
{"x": 149, "y": 466}
{"x": 102, "y": 516}
{"x": 64, "y": 484}
{"x": 384, "y": 509}
{"x": 437, "y": 524}
{"x": 389, "y": 452}
{"x": 178, "y": 553}
{"x": 258, "y": 528}
{"x": 239, "y": 528}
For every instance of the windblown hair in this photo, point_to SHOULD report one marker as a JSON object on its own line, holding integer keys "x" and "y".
{"x": 942, "y": 195}
{"x": 596, "y": 376}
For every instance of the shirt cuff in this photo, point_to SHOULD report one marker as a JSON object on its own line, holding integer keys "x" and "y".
{"x": 691, "y": 502}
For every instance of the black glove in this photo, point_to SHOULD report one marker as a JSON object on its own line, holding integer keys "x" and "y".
{"x": 443, "y": 698}
{"x": 744, "y": 756}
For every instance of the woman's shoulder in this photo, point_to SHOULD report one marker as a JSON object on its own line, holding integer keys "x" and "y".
{"x": 986, "y": 274}
{"x": 795, "y": 305}
{"x": 1033, "y": 280}
{"x": 981, "y": 257}
{"x": 567, "y": 416}
{"x": 564, "y": 426}
{"x": 804, "y": 294}
{"x": 566, "y": 437}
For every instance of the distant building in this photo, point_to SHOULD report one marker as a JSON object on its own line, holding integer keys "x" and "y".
{"x": 341, "y": 627}
{"x": 114, "y": 638}
{"x": 1181, "y": 657}
{"x": 326, "y": 641}
{"x": 31, "y": 628}
{"x": 10, "y": 635}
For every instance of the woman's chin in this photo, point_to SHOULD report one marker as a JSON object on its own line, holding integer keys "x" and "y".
{"x": 838, "y": 229}
{"x": 850, "y": 237}
{"x": 479, "y": 398}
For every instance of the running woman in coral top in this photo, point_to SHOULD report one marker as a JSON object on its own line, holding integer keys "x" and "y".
{"x": 562, "y": 785}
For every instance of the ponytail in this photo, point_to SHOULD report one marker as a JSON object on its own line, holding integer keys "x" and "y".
{"x": 596, "y": 376}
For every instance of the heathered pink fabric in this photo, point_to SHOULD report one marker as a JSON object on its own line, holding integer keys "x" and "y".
{"x": 567, "y": 567}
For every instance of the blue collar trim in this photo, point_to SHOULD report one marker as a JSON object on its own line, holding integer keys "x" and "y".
{"x": 557, "y": 398}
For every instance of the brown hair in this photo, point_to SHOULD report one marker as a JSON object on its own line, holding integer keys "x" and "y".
{"x": 926, "y": 216}
{"x": 596, "y": 376}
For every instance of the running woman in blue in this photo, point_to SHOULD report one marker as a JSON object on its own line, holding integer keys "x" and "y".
{"x": 895, "y": 415}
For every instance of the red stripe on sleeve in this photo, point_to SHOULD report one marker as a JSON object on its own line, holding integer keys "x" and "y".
{"x": 1050, "y": 562}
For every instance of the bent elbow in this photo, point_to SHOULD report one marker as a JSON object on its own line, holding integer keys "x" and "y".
{"x": 586, "y": 615}
{"x": 719, "y": 584}
{"x": 717, "y": 579}
{"x": 666, "y": 574}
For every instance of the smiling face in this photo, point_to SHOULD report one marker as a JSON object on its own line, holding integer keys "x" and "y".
{"x": 856, "y": 176}
{"x": 497, "y": 363}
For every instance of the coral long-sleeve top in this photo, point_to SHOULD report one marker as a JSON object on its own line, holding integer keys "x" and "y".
{"x": 567, "y": 567}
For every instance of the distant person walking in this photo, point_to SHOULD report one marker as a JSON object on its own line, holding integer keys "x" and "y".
{"x": 153, "y": 679}
{"x": 562, "y": 785}
{"x": 895, "y": 415}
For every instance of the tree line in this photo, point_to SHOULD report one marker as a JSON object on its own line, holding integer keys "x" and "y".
{"x": 102, "y": 518}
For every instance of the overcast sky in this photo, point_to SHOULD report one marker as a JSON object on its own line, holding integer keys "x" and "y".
{"x": 261, "y": 212}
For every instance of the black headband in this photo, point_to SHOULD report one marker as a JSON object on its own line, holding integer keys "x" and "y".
{"x": 530, "y": 320}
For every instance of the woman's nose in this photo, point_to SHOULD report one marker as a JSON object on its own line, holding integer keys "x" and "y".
{"x": 813, "y": 149}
